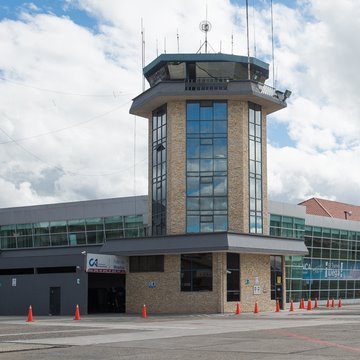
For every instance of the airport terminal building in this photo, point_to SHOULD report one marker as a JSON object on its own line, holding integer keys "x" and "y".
{"x": 206, "y": 237}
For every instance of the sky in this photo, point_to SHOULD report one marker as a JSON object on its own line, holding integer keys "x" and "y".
{"x": 69, "y": 70}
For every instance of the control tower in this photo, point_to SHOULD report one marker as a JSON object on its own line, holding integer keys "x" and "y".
{"x": 207, "y": 142}
{"x": 208, "y": 246}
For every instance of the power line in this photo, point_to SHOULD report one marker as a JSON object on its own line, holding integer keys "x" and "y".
{"x": 113, "y": 94}
{"x": 64, "y": 128}
{"x": 62, "y": 169}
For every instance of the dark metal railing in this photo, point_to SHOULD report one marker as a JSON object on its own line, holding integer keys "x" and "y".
{"x": 206, "y": 84}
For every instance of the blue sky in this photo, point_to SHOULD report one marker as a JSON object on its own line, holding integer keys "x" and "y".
{"x": 10, "y": 9}
{"x": 69, "y": 70}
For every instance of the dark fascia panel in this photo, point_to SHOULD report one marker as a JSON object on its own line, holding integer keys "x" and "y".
{"x": 165, "y": 58}
{"x": 209, "y": 242}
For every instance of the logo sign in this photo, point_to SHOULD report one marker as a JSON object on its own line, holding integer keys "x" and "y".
{"x": 152, "y": 284}
{"x": 317, "y": 269}
{"x": 98, "y": 263}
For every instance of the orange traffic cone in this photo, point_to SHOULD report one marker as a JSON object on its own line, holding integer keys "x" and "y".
{"x": 77, "y": 313}
{"x": 256, "y": 309}
{"x": 291, "y": 306}
{"x": 277, "y": 309}
{"x": 332, "y": 303}
{"x": 238, "y": 310}
{"x": 309, "y": 305}
{"x": 328, "y": 303}
{"x": 301, "y": 305}
{"x": 30, "y": 315}
{"x": 316, "y": 306}
{"x": 143, "y": 312}
{"x": 340, "y": 303}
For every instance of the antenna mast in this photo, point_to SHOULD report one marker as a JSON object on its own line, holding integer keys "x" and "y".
{"x": 272, "y": 43}
{"x": 205, "y": 26}
{"x": 247, "y": 37}
{"x": 178, "y": 42}
{"x": 142, "y": 54}
{"x": 254, "y": 28}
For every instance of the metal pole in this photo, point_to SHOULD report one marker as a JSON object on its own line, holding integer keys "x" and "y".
{"x": 247, "y": 37}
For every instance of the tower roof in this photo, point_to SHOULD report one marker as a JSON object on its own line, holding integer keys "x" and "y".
{"x": 234, "y": 67}
{"x": 181, "y": 67}
{"x": 333, "y": 209}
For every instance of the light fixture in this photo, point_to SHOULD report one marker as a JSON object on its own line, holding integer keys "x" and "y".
{"x": 287, "y": 94}
{"x": 347, "y": 213}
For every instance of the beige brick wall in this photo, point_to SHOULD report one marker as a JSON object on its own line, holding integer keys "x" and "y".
{"x": 238, "y": 182}
{"x": 253, "y": 266}
{"x": 166, "y": 297}
{"x": 176, "y": 167}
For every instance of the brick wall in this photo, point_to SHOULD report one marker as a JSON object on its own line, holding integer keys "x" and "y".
{"x": 238, "y": 180}
{"x": 176, "y": 167}
{"x": 166, "y": 297}
{"x": 253, "y": 266}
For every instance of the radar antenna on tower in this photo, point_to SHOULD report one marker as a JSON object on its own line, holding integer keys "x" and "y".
{"x": 205, "y": 26}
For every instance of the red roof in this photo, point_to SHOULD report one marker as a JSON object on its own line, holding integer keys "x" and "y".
{"x": 333, "y": 209}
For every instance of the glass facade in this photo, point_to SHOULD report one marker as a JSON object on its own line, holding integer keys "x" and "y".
{"x": 332, "y": 267}
{"x": 70, "y": 232}
{"x": 255, "y": 169}
{"x": 159, "y": 171}
{"x": 206, "y": 166}
{"x": 287, "y": 226}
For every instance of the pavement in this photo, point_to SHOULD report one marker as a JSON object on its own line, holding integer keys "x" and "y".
{"x": 317, "y": 334}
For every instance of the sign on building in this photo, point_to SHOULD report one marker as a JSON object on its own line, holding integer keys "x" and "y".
{"x": 113, "y": 264}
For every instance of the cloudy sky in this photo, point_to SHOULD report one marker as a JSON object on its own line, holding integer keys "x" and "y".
{"x": 69, "y": 69}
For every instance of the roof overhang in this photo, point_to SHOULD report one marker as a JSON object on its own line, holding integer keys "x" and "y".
{"x": 205, "y": 242}
{"x": 167, "y": 91}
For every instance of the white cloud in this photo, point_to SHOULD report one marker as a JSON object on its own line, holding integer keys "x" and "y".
{"x": 64, "y": 76}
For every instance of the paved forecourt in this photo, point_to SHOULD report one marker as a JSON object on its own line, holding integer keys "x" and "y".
{"x": 317, "y": 334}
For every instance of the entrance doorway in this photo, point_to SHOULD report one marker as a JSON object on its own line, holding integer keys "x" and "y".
{"x": 55, "y": 301}
{"x": 106, "y": 293}
{"x": 276, "y": 263}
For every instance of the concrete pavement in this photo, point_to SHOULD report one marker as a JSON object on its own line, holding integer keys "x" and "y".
{"x": 317, "y": 334}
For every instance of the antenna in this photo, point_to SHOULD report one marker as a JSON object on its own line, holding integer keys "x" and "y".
{"x": 177, "y": 38}
{"x": 247, "y": 37}
{"x": 254, "y": 28}
{"x": 232, "y": 44}
{"x": 205, "y": 26}
{"x": 142, "y": 54}
{"x": 157, "y": 48}
{"x": 220, "y": 45}
{"x": 272, "y": 42}
{"x": 165, "y": 45}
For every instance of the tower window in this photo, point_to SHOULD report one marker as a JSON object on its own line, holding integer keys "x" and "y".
{"x": 206, "y": 166}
